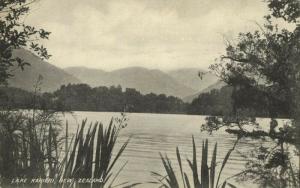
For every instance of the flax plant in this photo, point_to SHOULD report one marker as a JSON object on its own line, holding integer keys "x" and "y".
{"x": 205, "y": 178}
{"x": 91, "y": 156}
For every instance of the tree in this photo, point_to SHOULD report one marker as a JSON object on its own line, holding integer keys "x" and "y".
{"x": 263, "y": 68}
{"x": 15, "y": 34}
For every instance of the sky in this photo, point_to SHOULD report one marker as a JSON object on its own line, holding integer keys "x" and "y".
{"x": 155, "y": 34}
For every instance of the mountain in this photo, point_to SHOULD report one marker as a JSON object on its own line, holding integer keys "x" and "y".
{"x": 93, "y": 77}
{"x": 189, "y": 77}
{"x": 142, "y": 79}
{"x": 217, "y": 85}
{"x": 52, "y": 76}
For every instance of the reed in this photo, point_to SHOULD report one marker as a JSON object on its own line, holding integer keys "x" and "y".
{"x": 28, "y": 146}
{"x": 31, "y": 147}
{"x": 207, "y": 174}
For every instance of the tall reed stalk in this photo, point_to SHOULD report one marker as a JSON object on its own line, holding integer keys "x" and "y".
{"x": 28, "y": 149}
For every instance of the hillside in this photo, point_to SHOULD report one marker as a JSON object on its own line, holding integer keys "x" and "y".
{"x": 189, "y": 77}
{"x": 142, "y": 79}
{"x": 53, "y": 77}
{"x": 217, "y": 85}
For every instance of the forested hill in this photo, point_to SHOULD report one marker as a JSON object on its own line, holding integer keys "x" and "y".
{"x": 81, "y": 97}
{"x": 178, "y": 83}
{"x": 51, "y": 76}
{"x": 190, "y": 78}
{"x": 142, "y": 79}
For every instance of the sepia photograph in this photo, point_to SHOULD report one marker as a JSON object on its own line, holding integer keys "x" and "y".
{"x": 149, "y": 93}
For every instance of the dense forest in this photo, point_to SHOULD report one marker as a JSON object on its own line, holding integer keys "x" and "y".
{"x": 82, "y": 97}
{"x": 215, "y": 102}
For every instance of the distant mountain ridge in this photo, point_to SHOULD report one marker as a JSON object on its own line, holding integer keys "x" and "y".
{"x": 190, "y": 78}
{"x": 52, "y": 76}
{"x": 183, "y": 83}
{"x": 142, "y": 79}
{"x": 217, "y": 85}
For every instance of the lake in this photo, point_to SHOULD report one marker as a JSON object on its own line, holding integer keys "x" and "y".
{"x": 154, "y": 133}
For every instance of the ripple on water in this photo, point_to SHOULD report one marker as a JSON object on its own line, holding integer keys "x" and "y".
{"x": 154, "y": 133}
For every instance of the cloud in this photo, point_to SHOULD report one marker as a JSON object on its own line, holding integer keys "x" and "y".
{"x": 163, "y": 34}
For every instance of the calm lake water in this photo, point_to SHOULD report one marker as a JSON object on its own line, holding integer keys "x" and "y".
{"x": 154, "y": 133}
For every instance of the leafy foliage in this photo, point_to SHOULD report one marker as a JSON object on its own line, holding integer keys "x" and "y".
{"x": 14, "y": 34}
{"x": 285, "y": 9}
{"x": 263, "y": 69}
{"x": 267, "y": 164}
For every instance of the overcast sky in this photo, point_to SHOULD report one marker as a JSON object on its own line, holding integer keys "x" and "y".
{"x": 160, "y": 34}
